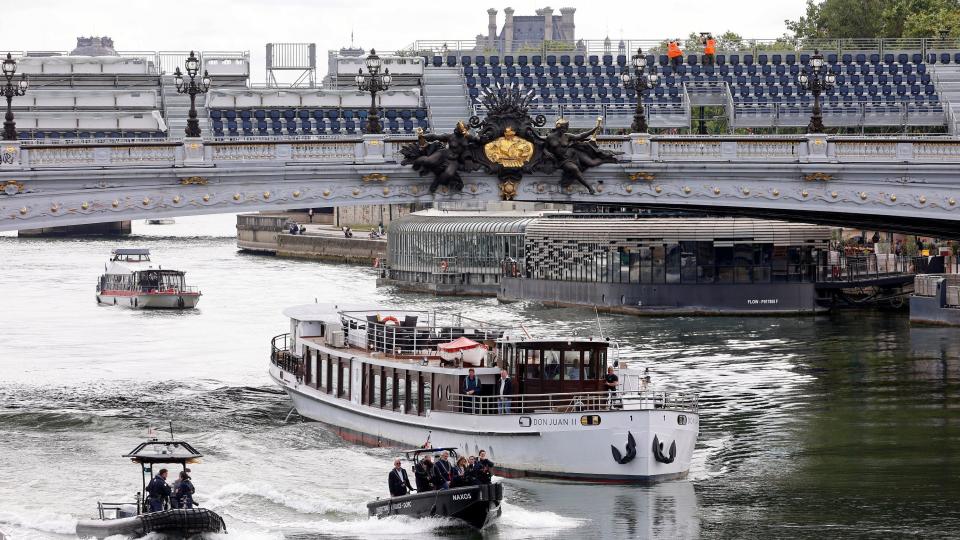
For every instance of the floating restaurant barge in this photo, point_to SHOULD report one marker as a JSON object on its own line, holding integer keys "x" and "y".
{"x": 617, "y": 263}
{"x": 379, "y": 377}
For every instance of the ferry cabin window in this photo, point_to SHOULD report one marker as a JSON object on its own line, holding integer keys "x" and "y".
{"x": 427, "y": 393}
{"x": 388, "y": 402}
{"x": 531, "y": 363}
{"x": 334, "y": 373}
{"x": 551, "y": 365}
{"x": 344, "y": 376}
{"x": 322, "y": 370}
{"x": 571, "y": 365}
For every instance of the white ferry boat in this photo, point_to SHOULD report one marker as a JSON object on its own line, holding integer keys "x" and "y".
{"x": 380, "y": 377}
{"x": 131, "y": 279}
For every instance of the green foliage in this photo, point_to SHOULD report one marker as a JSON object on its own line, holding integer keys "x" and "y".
{"x": 877, "y": 19}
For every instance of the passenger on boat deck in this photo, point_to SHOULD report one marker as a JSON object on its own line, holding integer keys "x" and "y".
{"x": 506, "y": 389}
{"x": 422, "y": 472}
{"x": 484, "y": 466}
{"x": 458, "y": 476}
{"x": 183, "y": 491}
{"x": 441, "y": 471}
{"x": 398, "y": 481}
{"x": 470, "y": 471}
{"x": 611, "y": 381}
{"x": 157, "y": 491}
{"x": 471, "y": 387}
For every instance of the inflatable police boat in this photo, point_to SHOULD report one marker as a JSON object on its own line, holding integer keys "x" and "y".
{"x": 477, "y": 506}
{"x": 135, "y": 519}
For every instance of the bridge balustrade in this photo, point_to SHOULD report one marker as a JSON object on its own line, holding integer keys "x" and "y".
{"x": 643, "y": 148}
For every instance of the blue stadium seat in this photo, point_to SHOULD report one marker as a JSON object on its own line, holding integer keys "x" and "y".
{"x": 522, "y": 60}
{"x": 494, "y": 60}
{"x": 481, "y": 60}
{"x": 451, "y": 61}
{"x": 465, "y": 61}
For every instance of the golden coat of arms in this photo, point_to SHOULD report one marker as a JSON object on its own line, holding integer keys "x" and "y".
{"x": 509, "y": 150}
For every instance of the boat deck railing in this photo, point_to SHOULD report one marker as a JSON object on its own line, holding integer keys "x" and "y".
{"x": 406, "y": 332}
{"x": 169, "y": 290}
{"x": 282, "y": 357}
{"x": 574, "y": 402}
{"x": 111, "y": 510}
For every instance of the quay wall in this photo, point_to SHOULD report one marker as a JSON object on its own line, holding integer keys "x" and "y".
{"x": 266, "y": 234}
{"x": 331, "y": 248}
{"x": 662, "y": 299}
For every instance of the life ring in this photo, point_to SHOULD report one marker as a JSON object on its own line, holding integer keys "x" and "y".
{"x": 376, "y": 262}
{"x": 444, "y": 266}
{"x": 389, "y": 318}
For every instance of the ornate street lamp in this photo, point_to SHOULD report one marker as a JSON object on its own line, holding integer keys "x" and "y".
{"x": 192, "y": 88}
{"x": 641, "y": 82}
{"x": 373, "y": 82}
{"x": 817, "y": 80}
{"x": 10, "y": 91}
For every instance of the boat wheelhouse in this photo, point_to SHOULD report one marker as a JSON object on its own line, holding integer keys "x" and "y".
{"x": 379, "y": 377}
{"x": 131, "y": 279}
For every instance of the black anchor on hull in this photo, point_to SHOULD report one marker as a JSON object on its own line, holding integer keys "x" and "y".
{"x": 658, "y": 451}
{"x": 623, "y": 459}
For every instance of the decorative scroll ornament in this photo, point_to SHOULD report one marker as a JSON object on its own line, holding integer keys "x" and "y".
{"x": 194, "y": 180}
{"x": 641, "y": 176}
{"x": 509, "y": 151}
{"x": 506, "y": 144}
{"x": 818, "y": 177}
{"x": 11, "y": 187}
{"x": 374, "y": 177}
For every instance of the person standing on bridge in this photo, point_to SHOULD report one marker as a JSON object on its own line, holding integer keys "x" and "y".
{"x": 709, "y": 50}
{"x": 674, "y": 53}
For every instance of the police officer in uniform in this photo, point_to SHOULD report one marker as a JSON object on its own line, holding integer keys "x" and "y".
{"x": 157, "y": 492}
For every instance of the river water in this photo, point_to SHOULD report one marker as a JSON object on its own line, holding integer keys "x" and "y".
{"x": 836, "y": 426}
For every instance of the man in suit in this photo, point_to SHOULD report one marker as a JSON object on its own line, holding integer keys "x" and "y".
{"x": 422, "y": 473}
{"x": 505, "y": 389}
{"x": 441, "y": 471}
{"x": 398, "y": 481}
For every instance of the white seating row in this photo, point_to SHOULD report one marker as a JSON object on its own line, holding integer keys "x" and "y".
{"x": 296, "y": 99}
{"x": 76, "y": 98}
{"x": 90, "y": 65}
{"x": 88, "y": 121}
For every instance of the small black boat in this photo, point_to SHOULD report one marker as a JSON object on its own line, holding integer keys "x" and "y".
{"x": 134, "y": 518}
{"x": 477, "y": 506}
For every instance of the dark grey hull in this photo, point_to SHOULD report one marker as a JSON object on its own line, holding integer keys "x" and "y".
{"x": 182, "y": 523}
{"x": 477, "y": 506}
{"x": 669, "y": 299}
{"x": 932, "y": 310}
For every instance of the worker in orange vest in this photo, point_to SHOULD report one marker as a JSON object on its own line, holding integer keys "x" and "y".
{"x": 709, "y": 50}
{"x": 674, "y": 53}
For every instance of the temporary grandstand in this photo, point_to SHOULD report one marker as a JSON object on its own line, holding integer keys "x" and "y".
{"x": 903, "y": 85}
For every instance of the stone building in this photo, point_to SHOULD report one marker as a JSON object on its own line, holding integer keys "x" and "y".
{"x": 94, "y": 46}
{"x": 519, "y": 31}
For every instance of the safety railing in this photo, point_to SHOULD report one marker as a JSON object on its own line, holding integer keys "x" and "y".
{"x": 870, "y": 266}
{"x": 574, "y": 402}
{"x": 282, "y": 357}
{"x": 113, "y": 510}
{"x": 627, "y": 47}
{"x": 413, "y": 332}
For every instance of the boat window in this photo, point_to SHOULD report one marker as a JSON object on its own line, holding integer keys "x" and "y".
{"x": 427, "y": 395}
{"x": 389, "y": 398}
{"x": 590, "y": 364}
{"x": 344, "y": 366}
{"x": 334, "y": 372}
{"x": 531, "y": 364}
{"x": 571, "y": 365}
{"x": 414, "y": 394}
{"x": 551, "y": 365}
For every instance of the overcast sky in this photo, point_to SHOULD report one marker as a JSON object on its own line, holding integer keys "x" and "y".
{"x": 228, "y": 25}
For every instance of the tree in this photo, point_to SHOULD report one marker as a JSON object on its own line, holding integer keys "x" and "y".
{"x": 877, "y": 19}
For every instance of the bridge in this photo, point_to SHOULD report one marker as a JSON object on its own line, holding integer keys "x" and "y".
{"x": 904, "y": 184}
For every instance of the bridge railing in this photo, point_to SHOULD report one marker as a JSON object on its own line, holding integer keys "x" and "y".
{"x": 634, "y": 148}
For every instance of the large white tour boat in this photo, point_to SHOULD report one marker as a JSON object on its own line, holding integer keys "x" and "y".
{"x": 387, "y": 378}
{"x": 131, "y": 279}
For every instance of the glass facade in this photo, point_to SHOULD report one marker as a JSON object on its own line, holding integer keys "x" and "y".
{"x": 467, "y": 248}
{"x": 673, "y": 250}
